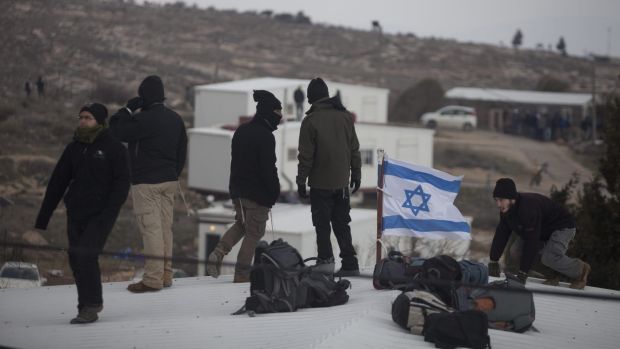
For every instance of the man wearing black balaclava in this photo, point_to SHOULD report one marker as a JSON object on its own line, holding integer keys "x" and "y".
{"x": 157, "y": 150}
{"x": 93, "y": 177}
{"x": 328, "y": 157}
{"x": 254, "y": 185}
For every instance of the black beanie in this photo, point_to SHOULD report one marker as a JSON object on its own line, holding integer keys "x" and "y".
{"x": 99, "y": 111}
{"x": 151, "y": 90}
{"x": 505, "y": 188}
{"x": 317, "y": 89}
{"x": 267, "y": 102}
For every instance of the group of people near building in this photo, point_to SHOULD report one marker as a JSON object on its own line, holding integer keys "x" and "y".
{"x": 96, "y": 172}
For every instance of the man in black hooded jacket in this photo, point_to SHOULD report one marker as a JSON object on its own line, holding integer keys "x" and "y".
{"x": 95, "y": 170}
{"x": 157, "y": 150}
{"x": 254, "y": 185}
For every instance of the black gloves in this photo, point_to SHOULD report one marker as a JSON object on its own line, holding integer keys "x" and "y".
{"x": 355, "y": 185}
{"x": 301, "y": 190}
{"x": 134, "y": 104}
{"x": 493, "y": 269}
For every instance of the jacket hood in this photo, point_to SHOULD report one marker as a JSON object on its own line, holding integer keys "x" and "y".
{"x": 151, "y": 90}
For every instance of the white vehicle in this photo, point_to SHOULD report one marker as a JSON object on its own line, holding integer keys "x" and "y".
{"x": 452, "y": 116}
{"x": 20, "y": 275}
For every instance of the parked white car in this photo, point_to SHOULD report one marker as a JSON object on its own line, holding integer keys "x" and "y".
{"x": 20, "y": 275}
{"x": 452, "y": 116}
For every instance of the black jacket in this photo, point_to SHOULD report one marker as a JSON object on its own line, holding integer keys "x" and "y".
{"x": 97, "y": 176}
{"x": 534, "y": 218}
{"x": 157, "y": 143}
{"x": 253, "y": 172}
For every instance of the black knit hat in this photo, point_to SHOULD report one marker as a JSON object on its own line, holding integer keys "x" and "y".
{"x": 267, "y": 102}
{"x": 505, "y": 188}
{"x": 151, "y": 90}
{"x": 99, "y": 111}
{"x": 317, "y": 89}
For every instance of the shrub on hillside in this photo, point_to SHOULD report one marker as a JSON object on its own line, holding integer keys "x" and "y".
{"x": 425, "y": 96}
{"x": 549, "y": 83}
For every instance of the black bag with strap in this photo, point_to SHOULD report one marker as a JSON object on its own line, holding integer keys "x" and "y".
{"x": 445, "y": 269}
{"x": 467, "y": 329}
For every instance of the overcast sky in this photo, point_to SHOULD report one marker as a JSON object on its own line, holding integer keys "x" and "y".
{"x": 587, "y": 25}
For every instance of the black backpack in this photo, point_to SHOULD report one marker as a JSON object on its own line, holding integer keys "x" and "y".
{"x": 396, "y": 271}
{"x": 467, "y": 329}
{"x": 274, "y": 281}
{"x": 317, "y": 290}
{"x": 445, "y": 269}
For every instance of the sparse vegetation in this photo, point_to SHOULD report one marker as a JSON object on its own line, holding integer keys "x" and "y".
{"x": 424, "y": 96}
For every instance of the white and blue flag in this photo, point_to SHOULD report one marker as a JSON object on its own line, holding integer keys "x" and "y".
{"x": 419, "y": 201}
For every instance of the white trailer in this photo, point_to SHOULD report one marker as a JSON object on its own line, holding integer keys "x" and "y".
{"x": 209, "y": 153}
{"x": 291, "y": 223}
{"x": 224, "y": 103}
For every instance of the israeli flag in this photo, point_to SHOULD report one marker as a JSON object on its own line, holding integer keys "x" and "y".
{"x": 419, "y": 201}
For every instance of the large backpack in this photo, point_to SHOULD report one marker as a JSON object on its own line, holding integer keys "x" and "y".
{"x": 275, "y": 279}
{"x": 280, "y": 282}
{"x": 474, "y": 273}
{"x": 514, "y": 310}
{"x": 469, "y": 329}
{"x": 411, "y": 309}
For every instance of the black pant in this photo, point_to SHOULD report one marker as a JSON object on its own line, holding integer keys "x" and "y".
{"x": 332, "y": 206}
{"x": 86, "y": 240}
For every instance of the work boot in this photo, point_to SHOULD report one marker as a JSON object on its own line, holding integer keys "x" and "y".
{"x": 86, "y": 315}
{"x": 582, "y": 280}
{"x": 167, "y": 279}
{"x": 240, "y": 278}
{"x": 214, "y": 262}
{"x": 552, "y": 281}
{"x": 324, "y": 266}
{"x": 347, "y": 272}
{"x": 140, "y": 287}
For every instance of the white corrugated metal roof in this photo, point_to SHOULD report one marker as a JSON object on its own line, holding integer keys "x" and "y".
{"x": 269, "y": 83}
{"x": 517, "y": 96}
{"x": 195, "y": 313}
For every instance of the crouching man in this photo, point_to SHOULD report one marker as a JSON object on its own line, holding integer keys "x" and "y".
{"x": 540, "y": 224}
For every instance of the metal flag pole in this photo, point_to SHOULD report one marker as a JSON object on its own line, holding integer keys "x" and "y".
{"x": 380, "y": 157}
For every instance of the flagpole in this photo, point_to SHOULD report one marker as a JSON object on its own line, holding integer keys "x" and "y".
{"x": 380, "y": 158}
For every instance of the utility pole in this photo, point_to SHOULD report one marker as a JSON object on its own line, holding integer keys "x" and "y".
{"x": 594, "y": 135}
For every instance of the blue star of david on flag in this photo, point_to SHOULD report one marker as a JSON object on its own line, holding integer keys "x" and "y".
{"x": 410, "y": 196}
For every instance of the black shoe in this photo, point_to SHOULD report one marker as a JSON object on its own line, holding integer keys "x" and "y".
{"x": 347, "y": 272}
{"x": 86, "y": 315}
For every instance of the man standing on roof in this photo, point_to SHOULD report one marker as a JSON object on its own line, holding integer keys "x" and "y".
{"x": 94, "y": 168}
{"x": 541, "y": 224}
{"x": 299, "y": 97}
{"x": 254, "y": 185}
{"x": 328, "y": 157}
{"x": 157, "y": 150}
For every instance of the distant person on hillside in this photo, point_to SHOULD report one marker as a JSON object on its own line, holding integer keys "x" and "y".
{"x": 254, "y": 185}
{"x": 542, "y": 226}
{"x": 40, "y": 87}
{"x": 330, "y": 160}
{"x": 157, "y": 150}
{"x": 299, "y": 98}
{"x": 94, "y": 168}
{"x": 27, "y": 88}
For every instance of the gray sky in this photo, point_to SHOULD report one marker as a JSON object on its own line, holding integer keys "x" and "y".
{"x": 585, "y": 24}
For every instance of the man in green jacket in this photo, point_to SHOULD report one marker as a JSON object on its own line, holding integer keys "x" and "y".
{"x": 328, "y": 156}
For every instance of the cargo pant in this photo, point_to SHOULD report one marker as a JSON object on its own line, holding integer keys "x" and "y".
{"x": 153, "y": 207}
{"x": 250, "y": 221}
{"x": 553, "y": 254}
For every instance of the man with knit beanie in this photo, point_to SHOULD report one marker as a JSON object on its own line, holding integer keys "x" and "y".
{"x": 329, "y": 159}
{"x": 94, "y": 169}
{"x": 541, "y": 225}
{"x": 157, "y": 151}
{"x": 254, "y": 185}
